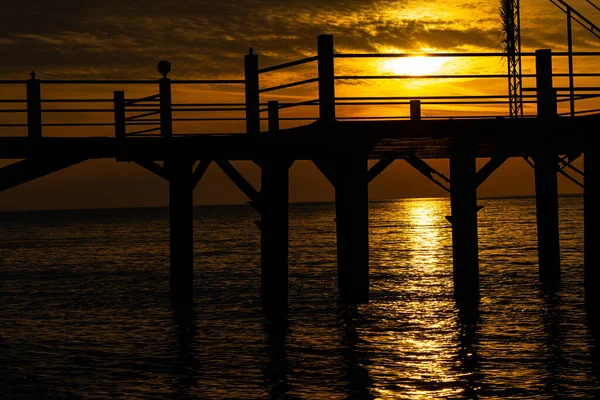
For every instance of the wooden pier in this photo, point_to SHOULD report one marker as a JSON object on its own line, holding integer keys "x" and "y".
{"x": 341, "y": 150}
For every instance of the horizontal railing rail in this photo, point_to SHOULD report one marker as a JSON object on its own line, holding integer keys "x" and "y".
{"x": 149, "y": 113}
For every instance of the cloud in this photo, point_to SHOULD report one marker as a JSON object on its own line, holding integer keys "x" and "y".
{"x": 202, "y": 38}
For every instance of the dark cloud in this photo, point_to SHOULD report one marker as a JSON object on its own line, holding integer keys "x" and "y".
{"x": 204, "y": 38}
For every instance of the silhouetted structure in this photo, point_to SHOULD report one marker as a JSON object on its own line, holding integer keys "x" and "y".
{"x": 341, "y": 150}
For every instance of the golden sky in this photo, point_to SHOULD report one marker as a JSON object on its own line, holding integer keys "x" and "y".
{"x": 207, "y": 39}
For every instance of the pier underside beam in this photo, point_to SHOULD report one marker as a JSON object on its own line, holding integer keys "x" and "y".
{"x": 352, "y": 227}
{"x": 181, "y": 223}
{"x": 29, "y": 169}
{"x": 463, "y": 198}
{"x": 274, "y": 199}
{"x": 591, "y": 215}
{"x": 546, "y": 200}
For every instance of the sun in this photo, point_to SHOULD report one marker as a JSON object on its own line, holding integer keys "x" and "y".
{"x": 417, "y": 65}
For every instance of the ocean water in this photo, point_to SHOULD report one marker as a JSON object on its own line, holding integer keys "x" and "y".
{"x": 85, "y": 310}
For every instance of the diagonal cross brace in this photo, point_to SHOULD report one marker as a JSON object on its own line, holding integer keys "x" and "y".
{"x": 31, "y": 168}
{"x": 426, "y": 170}
{"x": 559, "y": 170}
{"x": 327, "y": 169}
{"x": 492, "y": 165}
{"x": 163, "y": 173}
{"x": 153, "y": 167}
{"x": 199, "y": 172}
{"x": 241, "y": 182}
{"x": 567, "y": 162}
{"x": 379, "y": 167}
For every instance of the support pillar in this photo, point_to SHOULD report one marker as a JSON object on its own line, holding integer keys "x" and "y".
{"x": 352, "y": 227}
{"x": 546, "y": 168}
{"x": 181, "y": 215}
{"x": 546, "y": 202}
{"x": 463, "y": 200}
{"x": 274, "y": 210}
{"x": 590, "y": 204}
{"x": 274, "y": 202}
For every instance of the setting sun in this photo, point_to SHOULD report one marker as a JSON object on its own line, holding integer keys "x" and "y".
{"x": 418, "y": 65}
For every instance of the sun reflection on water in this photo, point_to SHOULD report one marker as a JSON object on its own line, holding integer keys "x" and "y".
{"x": 421, "y": 341}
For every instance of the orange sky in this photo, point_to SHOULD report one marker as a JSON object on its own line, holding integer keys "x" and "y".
{"x": 112, "y": 40}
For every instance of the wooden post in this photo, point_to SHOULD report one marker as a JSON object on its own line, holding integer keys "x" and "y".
{"x": 120, "y": 130}
{"x": 252, "y": 92}
{"x": 119, "y": 112}
{"x": 274, "y": 198}
{"x": 166, "y": 113}
{"x": 546, "y": 100}
{"x": 546, "y": 167}
{"x": 273, "y": 109}
{"x": 570, "y": 51}
{"x": 34, "y": 108}
{"x": 326, "y": 79}
{"x": 463, "y": 203}
{"x": 415, "y": 110}
{"x": 352, "y": 227}
{"x": 181, "y": 223}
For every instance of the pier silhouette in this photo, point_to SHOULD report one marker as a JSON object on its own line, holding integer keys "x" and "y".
{"x": 145, "y": 133}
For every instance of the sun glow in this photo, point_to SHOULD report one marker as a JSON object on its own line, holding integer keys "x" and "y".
{"x": 417, "y": 65}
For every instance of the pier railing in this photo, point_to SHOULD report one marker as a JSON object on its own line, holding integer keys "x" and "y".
{"x": 148, "y": 107}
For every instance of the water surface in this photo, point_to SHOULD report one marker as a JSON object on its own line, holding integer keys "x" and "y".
{"x": 86, "y": 313}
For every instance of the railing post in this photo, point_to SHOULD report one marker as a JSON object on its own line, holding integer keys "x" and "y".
{"x": 34, "y": 108}
{"x": 164, "y": 90}
{"x": 546, "y": 95}
{"x": 415, "y": 110}
{"x": 252, "y": 95}
{"x": 570, "y": 51}
{"x": 119, "y": 115}
{"x": 273, "y": 110}
{"x": 119, "y": 104}
{"x": 326, "y": 78}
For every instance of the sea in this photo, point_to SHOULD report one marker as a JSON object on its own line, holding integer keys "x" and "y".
{"x": 85, "y": 310}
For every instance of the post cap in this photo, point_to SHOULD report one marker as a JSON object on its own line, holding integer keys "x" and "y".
{"x": 251, "y": 50}
{"x": 32, "y": 75}
{"x": 164, "y": 67}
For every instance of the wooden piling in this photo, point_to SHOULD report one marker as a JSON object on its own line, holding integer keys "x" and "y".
{"x": 463, "y": 203}
{"x": 352, "y": 227}
{"x": 274, "y": 202}
{"x": 181, "y": 220}
{"x": 546, "y": 168}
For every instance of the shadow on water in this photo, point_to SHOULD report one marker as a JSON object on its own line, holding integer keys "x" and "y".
{"x": 356, "y": 361}
{"x": 592, "y": 311}
{"x": 468, "y": 359}
{"x": 277, "y": 368}
{"x": 186, "y": 368}
{"x": 554, "y": 342}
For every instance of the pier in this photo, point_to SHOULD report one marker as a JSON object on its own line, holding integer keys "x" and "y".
{"x": 144, "y": 131}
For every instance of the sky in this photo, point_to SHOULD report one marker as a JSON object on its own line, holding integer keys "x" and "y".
{"x": 207, "y": 40}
